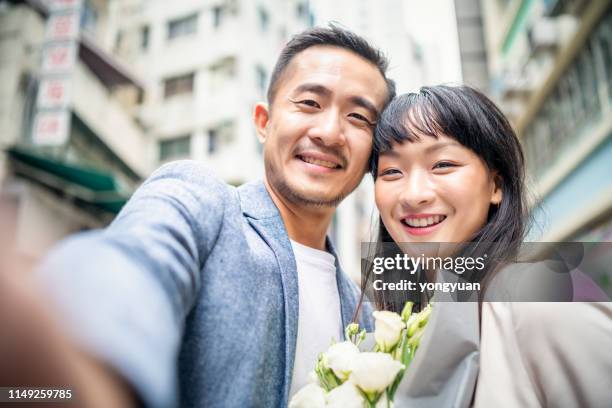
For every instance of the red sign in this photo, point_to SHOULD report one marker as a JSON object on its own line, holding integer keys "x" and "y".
{"x": 51, "y": 128}
{"x": 54, "y": 93}
{"x": 63, "y": 26}
{"x": 59, "y": 57}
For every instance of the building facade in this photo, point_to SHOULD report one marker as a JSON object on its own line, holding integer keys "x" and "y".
{"x": 550, "y": 69}
{"x": 550, "y": 64}
{"x": 205, "y": 65}
{"x": 51, "y": 190}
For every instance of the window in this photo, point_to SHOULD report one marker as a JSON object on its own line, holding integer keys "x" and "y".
{"x": 89, "y": 17}
{"x": 217, "y": 15}
{"x": 178, "y": 85}
{"x": 302, "y": 10}
{"x": 183, "y": 26}
{"x": 588, "y": 82}
{"x": 222, "y": 72}
{"x": 175, "y": 148}
{"x": 118, "y": 40}
{"x": 264, "y": 18}
{"x": 144, "y": 38}
{"x": 213, "y": 141}
{"x": 261, "y": 78}
{"x": 222, "y": 134}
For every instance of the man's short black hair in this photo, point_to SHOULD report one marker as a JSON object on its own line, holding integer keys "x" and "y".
{"x": 333, "y": 36}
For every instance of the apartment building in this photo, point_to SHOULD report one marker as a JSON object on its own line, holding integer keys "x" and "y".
{"x": 551, "y": 71}
{"x": 53, "y": 187}
{"x": 205, "y": 64}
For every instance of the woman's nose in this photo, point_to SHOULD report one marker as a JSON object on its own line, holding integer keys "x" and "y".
{"x": 417, "y": 191}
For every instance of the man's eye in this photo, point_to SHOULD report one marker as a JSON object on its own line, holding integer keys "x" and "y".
{"x": 444, "y": 165}
{"x": 361, "y": 118}
{"x": 308, "y": 102}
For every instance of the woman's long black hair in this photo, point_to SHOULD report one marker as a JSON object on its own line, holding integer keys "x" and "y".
{"x": 468, "y": 116}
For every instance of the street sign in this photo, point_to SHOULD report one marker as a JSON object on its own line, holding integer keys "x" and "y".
{"x": 51, "y": 128}
{"x": 63, "y": 26}
{"x": 59, "y": 57}
{"x": 54, "y": 93}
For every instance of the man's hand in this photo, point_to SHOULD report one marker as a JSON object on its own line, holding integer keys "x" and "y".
{"x": 34, "y": 352}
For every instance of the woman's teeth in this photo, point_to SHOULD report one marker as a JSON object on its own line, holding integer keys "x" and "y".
{"x": 424, "y": 222}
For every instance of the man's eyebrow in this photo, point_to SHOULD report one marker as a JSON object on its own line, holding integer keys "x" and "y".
{"x": 314, "y": 88}
{"x": 367, "y": 105}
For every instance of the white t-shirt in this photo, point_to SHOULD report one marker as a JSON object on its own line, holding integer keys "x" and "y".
{"x": 319, "y": 318}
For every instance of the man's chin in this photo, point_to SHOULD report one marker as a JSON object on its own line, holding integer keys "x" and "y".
{"x": 311, "y": 196}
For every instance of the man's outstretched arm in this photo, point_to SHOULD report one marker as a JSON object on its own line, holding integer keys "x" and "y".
{"x": 35, "y": 353}
{"x": 124, "y": 291}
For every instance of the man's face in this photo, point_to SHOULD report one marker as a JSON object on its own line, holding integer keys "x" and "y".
{"x": 318, "y": 130}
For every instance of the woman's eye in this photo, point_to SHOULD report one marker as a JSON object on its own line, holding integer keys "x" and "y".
{"x": 444, "y": 165}
{"x": 388, "y": 172}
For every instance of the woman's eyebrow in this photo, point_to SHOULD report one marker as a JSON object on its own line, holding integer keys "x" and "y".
{"x": 389, "y": 153}
{"x": 441, "y": 145}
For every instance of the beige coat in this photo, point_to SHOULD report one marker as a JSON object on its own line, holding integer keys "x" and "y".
{"x": 545, "y": 354}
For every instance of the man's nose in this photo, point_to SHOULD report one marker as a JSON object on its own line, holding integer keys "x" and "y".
{"x": 328, "y": 129}
{"x": 417, "y": 191}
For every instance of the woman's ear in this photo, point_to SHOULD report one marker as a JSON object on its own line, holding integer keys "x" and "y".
{"x": 497, "y": 195}
{"x": 261, "y": 116}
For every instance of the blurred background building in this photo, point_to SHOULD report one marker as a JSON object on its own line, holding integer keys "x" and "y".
{"x": 148, "y": 81}
{"x": 205, "y": 64}
{"x": 550, "y": 67}
{"x": 72, "y": 148}
{"x": 154, "y": 81}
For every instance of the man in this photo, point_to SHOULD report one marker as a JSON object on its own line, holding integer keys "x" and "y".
{"x": 235, "y": 284}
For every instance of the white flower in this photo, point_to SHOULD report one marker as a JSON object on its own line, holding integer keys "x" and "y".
{"x": 340, "y": 357}
{"x": 373, "y": 372}
{"x": 310, "y": 396}
{"x": 388, "y": 327}
{"x": 345, "y": 396}
{"x": 312, "y": 378}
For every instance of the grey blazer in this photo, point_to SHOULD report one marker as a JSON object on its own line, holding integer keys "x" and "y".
{"x": 191, "y": 294}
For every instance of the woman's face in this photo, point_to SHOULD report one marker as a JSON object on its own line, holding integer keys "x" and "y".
{"x": 434, "y": 190}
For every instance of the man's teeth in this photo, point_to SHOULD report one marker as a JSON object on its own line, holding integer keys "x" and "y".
{"x": 424, "y": 222}
{"x": 318, "y": 162}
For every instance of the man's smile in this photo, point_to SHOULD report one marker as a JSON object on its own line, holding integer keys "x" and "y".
{"x": 321, "y": 161}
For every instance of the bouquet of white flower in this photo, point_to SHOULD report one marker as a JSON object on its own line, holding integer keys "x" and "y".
{"x": 347, "y": 377}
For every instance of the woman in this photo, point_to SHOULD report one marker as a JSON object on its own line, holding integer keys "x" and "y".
{"x": 449, "y": 168}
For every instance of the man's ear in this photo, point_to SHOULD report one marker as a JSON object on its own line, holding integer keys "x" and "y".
{"x": 497, "y": 195}
{"x": 261, "y": 116}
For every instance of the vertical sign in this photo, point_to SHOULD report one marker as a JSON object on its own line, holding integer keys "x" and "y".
{"x": 59, "y": 55}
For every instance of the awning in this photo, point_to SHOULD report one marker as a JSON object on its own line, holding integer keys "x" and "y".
{"x": 104, "y": 65}
{"x": 87, "y": 185}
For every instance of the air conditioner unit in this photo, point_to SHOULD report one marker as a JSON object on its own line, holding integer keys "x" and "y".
{"x": 548, "y": 33}
{"x": 516, "y": 86}
{"x": 543, "y": 35}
